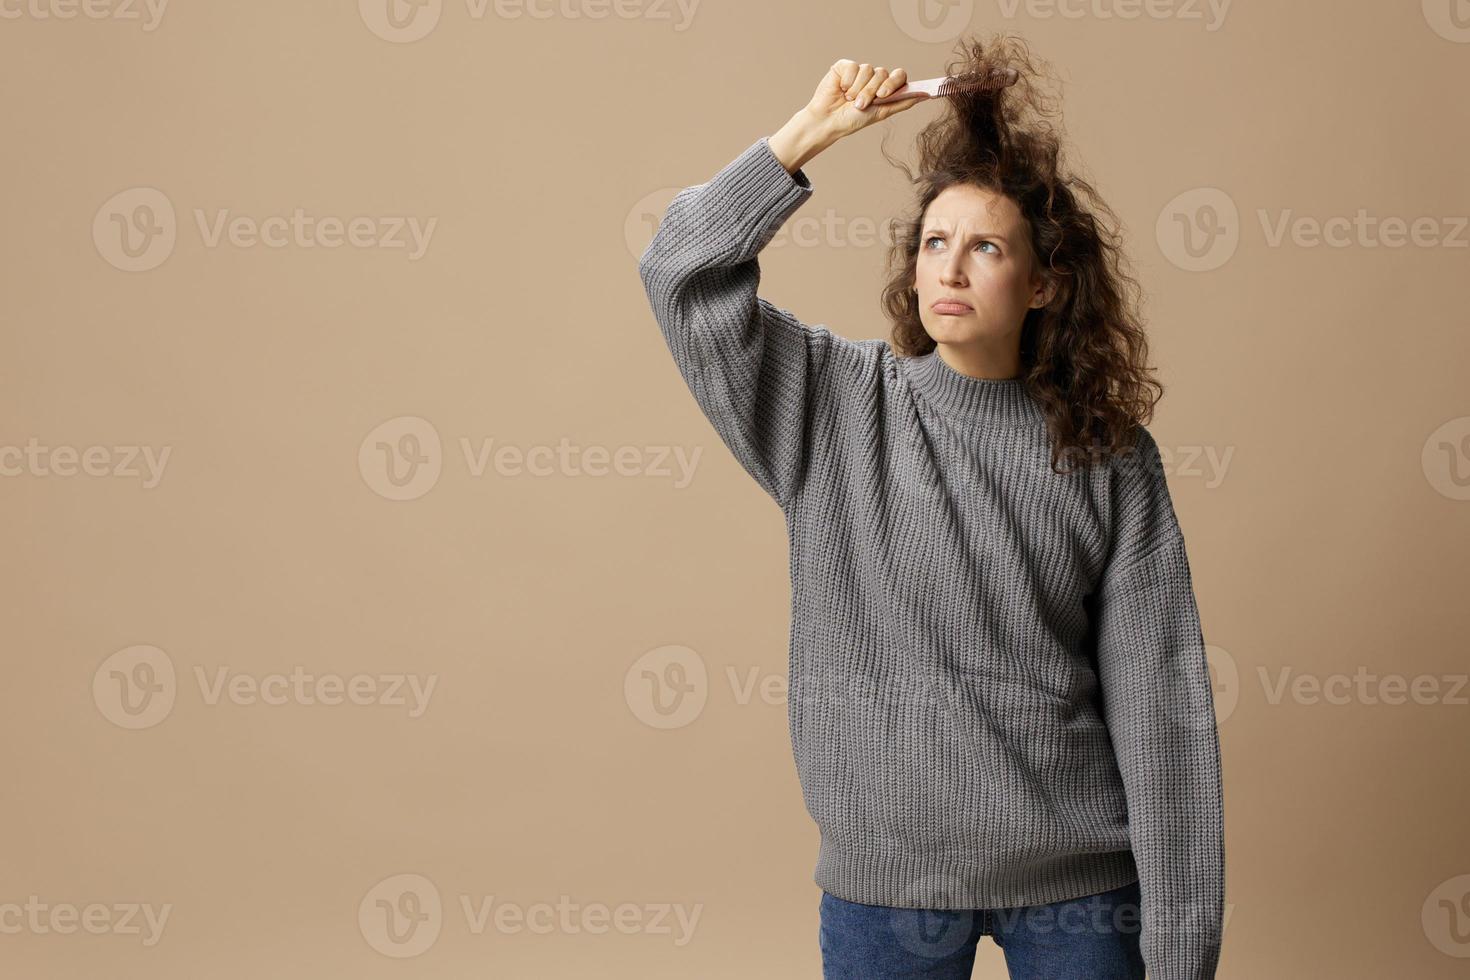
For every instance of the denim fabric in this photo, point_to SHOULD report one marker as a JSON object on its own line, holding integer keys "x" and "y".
{"x": 1090, "y": 938}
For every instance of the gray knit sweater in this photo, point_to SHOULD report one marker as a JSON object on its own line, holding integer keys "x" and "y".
{"x": 998, "y": 687}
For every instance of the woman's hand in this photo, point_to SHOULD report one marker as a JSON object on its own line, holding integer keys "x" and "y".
{"x": 842, "y": 103}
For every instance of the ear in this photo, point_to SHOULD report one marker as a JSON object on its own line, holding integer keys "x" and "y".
{"x": 1042, "y": 292}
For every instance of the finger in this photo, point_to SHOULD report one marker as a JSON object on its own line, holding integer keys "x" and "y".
{"x": 870, "y": 91}
{"x": 896, "y": 80}
{"x": 865, "y": 72}
{"x": 846, "y": 70}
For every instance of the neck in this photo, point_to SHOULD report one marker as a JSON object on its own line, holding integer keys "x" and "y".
{"x": 979, "y": 361}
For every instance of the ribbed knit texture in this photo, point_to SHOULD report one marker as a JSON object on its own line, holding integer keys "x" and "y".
{"x": 998, "y": 687}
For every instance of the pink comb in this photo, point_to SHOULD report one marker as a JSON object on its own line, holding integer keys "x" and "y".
{"x": 931, "y": 88}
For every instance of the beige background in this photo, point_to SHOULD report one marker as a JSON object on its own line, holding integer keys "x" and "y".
{"x": 1316, "y": 424}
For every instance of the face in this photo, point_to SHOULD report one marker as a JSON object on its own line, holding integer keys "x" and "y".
{"x": 974, "y": 247}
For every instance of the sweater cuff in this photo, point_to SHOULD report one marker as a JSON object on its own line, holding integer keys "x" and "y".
{"x": 1192, "y": 959}
{"x": 756, "y": 185}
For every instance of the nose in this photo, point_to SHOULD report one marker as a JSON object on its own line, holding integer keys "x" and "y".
{"x": 951, "y": 274}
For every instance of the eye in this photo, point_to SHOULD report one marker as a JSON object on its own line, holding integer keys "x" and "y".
{"x": 983, "y": 241}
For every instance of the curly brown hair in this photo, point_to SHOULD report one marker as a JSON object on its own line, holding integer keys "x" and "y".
{"x": 1083, "y": 354}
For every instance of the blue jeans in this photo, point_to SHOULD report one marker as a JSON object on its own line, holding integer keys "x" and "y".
{"x": 1090, "y": 938}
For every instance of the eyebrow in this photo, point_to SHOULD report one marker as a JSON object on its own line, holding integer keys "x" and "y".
{"x": 980, "y": 234}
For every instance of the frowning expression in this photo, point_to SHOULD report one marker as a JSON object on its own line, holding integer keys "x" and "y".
{"x": 975, "y": 250}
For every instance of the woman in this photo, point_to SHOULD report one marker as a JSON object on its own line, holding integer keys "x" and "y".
{"x": 1000, "y": 705}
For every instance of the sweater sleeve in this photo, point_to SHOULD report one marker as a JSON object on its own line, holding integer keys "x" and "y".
{"x": 1159, "y": 709}
{"x": 752, "y": 367}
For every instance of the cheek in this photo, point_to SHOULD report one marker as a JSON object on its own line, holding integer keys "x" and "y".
{"x": 1003, "y": 284}
{"x": 1018, "y": 283}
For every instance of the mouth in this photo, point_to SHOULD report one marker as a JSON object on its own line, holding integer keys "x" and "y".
{"x": 951, "y": 307}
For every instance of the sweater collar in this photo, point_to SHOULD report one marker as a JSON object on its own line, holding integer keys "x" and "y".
{"x": 977, "y": 399}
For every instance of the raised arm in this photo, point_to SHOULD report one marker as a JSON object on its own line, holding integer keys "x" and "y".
{"x": 751, "y": 366}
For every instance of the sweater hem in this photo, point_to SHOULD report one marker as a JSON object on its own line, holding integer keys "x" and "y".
{"x": 955, "y": 881}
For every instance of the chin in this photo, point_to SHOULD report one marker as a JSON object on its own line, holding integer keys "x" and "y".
{"x": 955, "y": 329}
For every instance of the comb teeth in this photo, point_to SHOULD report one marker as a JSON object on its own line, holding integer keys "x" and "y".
{"x": 933, "y": 88}
{"x": 997, "y": 79}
